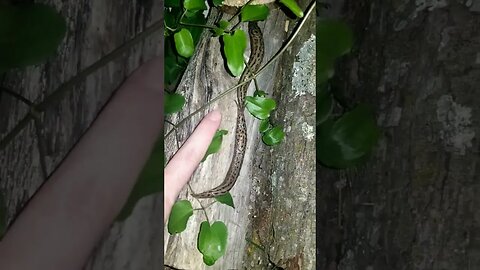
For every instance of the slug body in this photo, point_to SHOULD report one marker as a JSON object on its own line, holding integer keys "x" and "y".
{"x": 254, "y": 63}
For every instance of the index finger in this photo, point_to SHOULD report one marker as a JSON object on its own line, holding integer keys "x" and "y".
{"x": 186, "y": 160}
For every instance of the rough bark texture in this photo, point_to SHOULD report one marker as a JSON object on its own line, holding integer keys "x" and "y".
{"x": 95, "y": 28}
{"x": 415, "y": 204}
{"x": 274, "y": 195}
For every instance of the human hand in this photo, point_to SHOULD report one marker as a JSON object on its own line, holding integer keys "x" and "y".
{"x": 181, "y": 167}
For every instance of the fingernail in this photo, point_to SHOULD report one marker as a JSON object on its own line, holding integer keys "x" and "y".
{"x": 214, "y": 115}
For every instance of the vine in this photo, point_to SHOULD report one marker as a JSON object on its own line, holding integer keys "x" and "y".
{"x": 181, "y": 39}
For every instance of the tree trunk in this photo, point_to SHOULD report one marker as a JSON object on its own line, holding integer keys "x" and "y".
{"x": 96, "y": 28}
{"x": 274, "y": 195}
{"x": 414, "y": 204}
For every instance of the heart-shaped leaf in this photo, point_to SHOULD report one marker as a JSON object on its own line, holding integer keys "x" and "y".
{"x": 260, "y": 107}
{"x": 254, "y": 13}
{"x": 29, "y": 34}
{"x": 225, "y": 199}
{"x": 216, "y": 143}
{"x": 184, "y": 43}
{"x": 212, "y": 241}
{"x": 273, "y": 136}
{"x": 181, "y": 212}
{"x": 234, "y": 47}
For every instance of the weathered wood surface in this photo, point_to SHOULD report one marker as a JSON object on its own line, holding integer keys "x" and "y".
{"x": 274, "y": 195}
{"x": 415, "y": 204}
{"x": 95, "y": 28}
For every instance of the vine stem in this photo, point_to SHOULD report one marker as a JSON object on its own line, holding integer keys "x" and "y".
{"x": 63, "y": 89}
{"x": 292, "y": 37}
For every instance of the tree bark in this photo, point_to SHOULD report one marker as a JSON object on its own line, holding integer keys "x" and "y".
{"x": 414, "y": 204}
{"x": 274, "y": 194}
{"x": 95, "y": 28}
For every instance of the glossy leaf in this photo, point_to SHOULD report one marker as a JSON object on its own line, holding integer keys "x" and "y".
{"x": 345, "y": 142}
{"x": 260, "y": 107}
{"x": 234, "y": 47}
{"x": 264, "y": 125}
{"x": 194, "y": 5}
{"x": 149, "y": 182}
{"x": 293, "y": 7}
{"x": 212, "y": 241}
{"x": 29, "y": 34}
{"x": 173, "y": 102}
{"x": 216, "y": 143}
{"x": 254, "y": 13}
{"x": 225, "y": 199}
{"x": 184, "y": 43}
{"x": 334, "y": 38}
{"x": 273, "y": 136}
{"x": 181, "y": 211}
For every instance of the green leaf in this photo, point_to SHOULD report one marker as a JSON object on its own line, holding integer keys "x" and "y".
{"x": 324, "y": 108}
{"x": 234, "y": 47}
{"x": 212, "y": 241}
{"x": 220, "y": 30}
{"x": 173, "y": 69}
{"x": 216, "y": 143}
{"x": 149, "y": 182}
{"x": 260, "y": 107}
{"x": 184, "y": 43}
{"x": 225, "y": 199}
{"x": 29, "y": 34}
{"x": 181, "y": 211}
{"x": 264, "y": 125}
{"x": 173, "y": 102}
{"x": 3, "y": 216}
{"x": 273, "y": 136}
{"x": 223, "y": 24}
{"x": 251, "y": 13}
{"x": 347, "y": 141}
{"x": 217, "y": 3}
{"x": 293, "y": 7}
{"x": 194, "y": 5}
{"x": 334, "y": 38}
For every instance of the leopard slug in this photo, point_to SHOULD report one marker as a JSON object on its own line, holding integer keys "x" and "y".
{"x": 255, "y": 60}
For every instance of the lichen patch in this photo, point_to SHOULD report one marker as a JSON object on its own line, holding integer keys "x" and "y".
{"x": 457, "y": 132}
{"x": 303, "y": 79}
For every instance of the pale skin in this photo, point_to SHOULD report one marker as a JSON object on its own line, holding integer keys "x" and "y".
{"x": 66, "y": 218}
